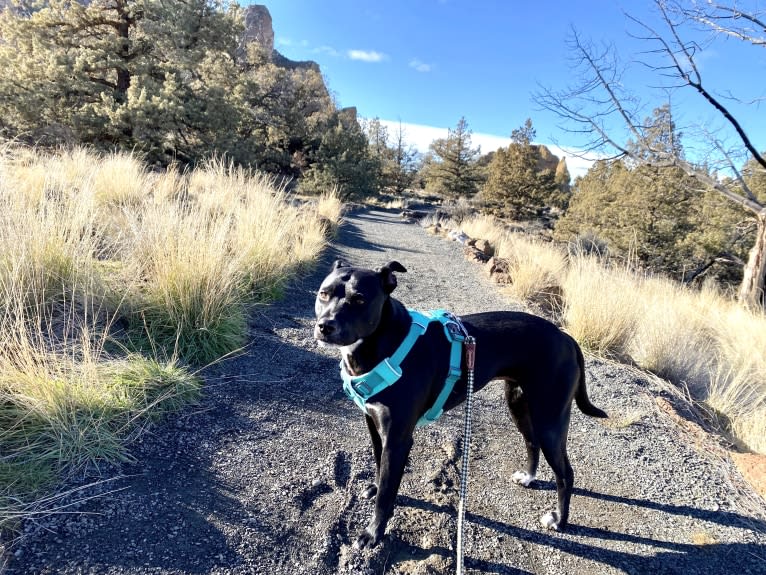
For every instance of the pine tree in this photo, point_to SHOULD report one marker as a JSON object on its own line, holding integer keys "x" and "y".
{"x": 396, "y": 160}
{"x": 403, "y": 165}
{"x": 453, "y": 171}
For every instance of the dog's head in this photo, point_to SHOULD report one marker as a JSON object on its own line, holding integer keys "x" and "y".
{"x": 350, "y": 302}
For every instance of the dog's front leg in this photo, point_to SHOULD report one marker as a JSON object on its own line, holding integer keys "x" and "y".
{"x": 377, "y": 447}
{"x": 392, "y": 461}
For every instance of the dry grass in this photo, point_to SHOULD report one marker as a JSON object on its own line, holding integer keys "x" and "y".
{"x": 709, "y": 346}
{"x": 535, "y": 268}
{"x": 738, "y": 384}
{"x": 673, "y": 338}
{"x": 485, "y": 227}
{"x": 601, "y": 310}
{"x": 89, "y": 242}
{"x": 120, "y": 179}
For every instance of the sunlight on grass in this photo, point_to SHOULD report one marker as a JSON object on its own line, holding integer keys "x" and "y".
{"x": 703, "y": 342}
{"x": 120, "y": 179}
{"x": 113, "y": 280}
{"x": 189, "y": 293}
{"x": 601, "y": 310}
{"x": 66, "y": 406}
{"x": 536, "y": 269}
{"x": 673, "y": 338}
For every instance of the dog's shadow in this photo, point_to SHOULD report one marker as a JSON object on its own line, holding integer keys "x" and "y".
{"x": 669, "y": 556}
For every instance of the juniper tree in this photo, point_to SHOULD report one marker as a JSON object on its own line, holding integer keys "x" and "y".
{"x": 516, "y": 186}
{"x": 154, "y": 74}
{"x": 655, "y": 216}
{"x": 342, "y": 161}
{"x": 286, "y": 113}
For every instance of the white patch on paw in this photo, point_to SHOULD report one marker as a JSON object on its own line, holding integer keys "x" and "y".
{"x": 550, "y": 520}
{"x": 522, "y": 478}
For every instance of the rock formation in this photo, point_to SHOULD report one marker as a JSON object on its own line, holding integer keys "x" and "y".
{"x": 259, "y": 28}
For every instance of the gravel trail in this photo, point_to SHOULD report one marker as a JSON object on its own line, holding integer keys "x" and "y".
{"x": 264, "y": 475}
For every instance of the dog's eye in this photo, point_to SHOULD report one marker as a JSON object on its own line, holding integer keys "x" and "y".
{"x": 357, "y": 300}
{"x": 323, "y": 295}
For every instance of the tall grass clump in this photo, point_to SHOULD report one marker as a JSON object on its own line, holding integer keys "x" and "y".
{"x": 329, "y": 209}
{"x": 189, "y": 295}
{"x": 200, "y": 263}
{"x": 66, "y": 405}
{"x": 485, "y": 227}
{"x": 600, "y": 308}
{"x": 535, "y": 268}
{"x": 673, "y": 337}
{"x": 120, "y": 179}
{"x": 47, "y": 232}
{"x": 738, "y": 384}
{"x": 699, "y": 340}
{"x": 113, "y": 280}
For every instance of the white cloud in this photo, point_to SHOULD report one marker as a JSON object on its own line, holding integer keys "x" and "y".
{"x": 328, "y": 50}
{"x": 421, "y": 136}
{"x": 367, "y": 55}
{"x": 420, "y": 66}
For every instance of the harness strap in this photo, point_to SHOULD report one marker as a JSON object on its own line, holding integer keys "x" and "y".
{"x": 456, "y": 337}
{"x": 361, "y": 388}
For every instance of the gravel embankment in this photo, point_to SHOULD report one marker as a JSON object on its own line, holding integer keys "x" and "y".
{"x": 264, "y": 476}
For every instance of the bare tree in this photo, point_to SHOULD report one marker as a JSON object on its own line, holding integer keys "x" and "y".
{"x": 608, "y": 118}
{"x": 404, "y": 162}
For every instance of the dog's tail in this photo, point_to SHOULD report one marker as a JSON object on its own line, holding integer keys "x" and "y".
{"x": 581, "y": 395}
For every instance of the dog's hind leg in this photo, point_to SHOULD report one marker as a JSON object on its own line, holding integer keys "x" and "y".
{"x": 377, "y": 448}
{"x": 517, "y": 405}
{"x": 553, "y": 444}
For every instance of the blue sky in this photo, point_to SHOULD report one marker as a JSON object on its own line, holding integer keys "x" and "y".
{"x": 426, "y": 63}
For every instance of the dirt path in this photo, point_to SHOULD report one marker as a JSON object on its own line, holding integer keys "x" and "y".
{"x": 265, "y": 476}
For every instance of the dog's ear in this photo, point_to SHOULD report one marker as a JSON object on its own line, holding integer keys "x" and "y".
{"x": 394, "y": 266}
{"x": 340, "y": 264}
{"x": 387, "y": 275}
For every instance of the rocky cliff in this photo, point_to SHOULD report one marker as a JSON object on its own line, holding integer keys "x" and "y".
{"x": 547, "y": 160}
{"x": 259, "y": 28}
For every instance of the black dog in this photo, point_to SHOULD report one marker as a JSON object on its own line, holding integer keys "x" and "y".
{"x": 542, "y": 367}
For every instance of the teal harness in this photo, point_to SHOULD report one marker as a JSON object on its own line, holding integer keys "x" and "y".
{"x": 362, "y": 387}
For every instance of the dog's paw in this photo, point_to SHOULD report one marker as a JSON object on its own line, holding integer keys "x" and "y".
{"x": 370, "y": 492}
{"x": 550, "y": 520}
{"x": 366, "y": 540}
{"x": 522, "y": 478}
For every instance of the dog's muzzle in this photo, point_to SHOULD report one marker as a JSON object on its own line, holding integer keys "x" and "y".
{"x": 328, "y": 331}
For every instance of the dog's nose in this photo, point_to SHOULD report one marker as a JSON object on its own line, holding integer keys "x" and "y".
{"x": 326, "y": 326}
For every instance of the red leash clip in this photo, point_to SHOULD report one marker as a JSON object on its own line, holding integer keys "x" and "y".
{"x": 470, "y": 351}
